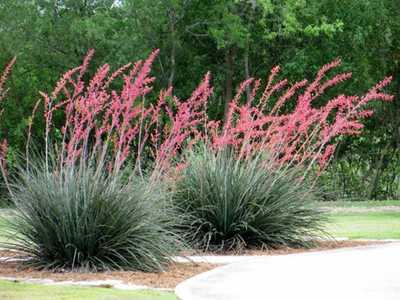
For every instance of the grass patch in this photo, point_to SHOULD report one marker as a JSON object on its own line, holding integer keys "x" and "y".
{"x": 368, "y": 225}
{"x": 363, "y": 219}
{"x": 359, "y": 204}
{"x": 24, "y": 291}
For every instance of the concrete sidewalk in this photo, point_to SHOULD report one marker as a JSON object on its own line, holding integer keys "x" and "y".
{"x": 367, "y": 273}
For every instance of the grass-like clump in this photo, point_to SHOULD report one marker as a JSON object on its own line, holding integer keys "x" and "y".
{"x": 234, "y": 203}
{"x": 78, "y": 218}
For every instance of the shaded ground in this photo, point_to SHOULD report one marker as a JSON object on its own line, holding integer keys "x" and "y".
{"x": 360, "y": 206}
{"x": 23, "y": 291}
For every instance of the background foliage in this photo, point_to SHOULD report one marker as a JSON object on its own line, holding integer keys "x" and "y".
{"x": 234, "y": 39}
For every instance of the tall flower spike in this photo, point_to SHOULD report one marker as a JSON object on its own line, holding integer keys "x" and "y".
{"x": 307, "y": 133}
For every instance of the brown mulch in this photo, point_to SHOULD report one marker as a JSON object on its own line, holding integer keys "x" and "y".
{"x": 323, "y": 245}
{"x": 175, "y": 274}
{"x": 169, "y": 279}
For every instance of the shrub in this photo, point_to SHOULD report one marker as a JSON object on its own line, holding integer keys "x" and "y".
{"x": 79, "y": 219}
{"x": 242, "y": 203}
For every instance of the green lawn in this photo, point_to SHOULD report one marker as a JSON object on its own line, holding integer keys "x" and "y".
{"x": 23, "y": 291}
{"x": 365, "y": 225}
{"x": 363, "y": 219}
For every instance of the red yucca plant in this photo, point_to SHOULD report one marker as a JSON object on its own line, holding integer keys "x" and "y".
{"x": 113, "y": 125}
{"x": 110, "y": 125}
{"x": 3, "y": 91}
{"x": 306, "y": 134}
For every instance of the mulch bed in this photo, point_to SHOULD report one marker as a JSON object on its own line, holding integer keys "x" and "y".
{"x": 323, "y": 245}
{"x": 169, "y": 279}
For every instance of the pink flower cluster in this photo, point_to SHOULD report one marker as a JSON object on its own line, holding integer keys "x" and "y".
{"x": 305, "y": 134}
{"x": 3, "y": 91}
{"x": 114, "y": 125}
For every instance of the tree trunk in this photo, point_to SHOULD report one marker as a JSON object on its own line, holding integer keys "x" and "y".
{"x": 228, "y": 80}
{"x": 247, "y": 71}
{"x": 379, "y": 169}
{"x": 173, "y": 49}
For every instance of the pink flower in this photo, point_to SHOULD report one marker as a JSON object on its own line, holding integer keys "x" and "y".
{"x": 123, "y": 125}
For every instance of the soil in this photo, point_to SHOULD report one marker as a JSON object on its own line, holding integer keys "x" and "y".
{"x": 323, "y": 245}
{"x": 175, "y": 274}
